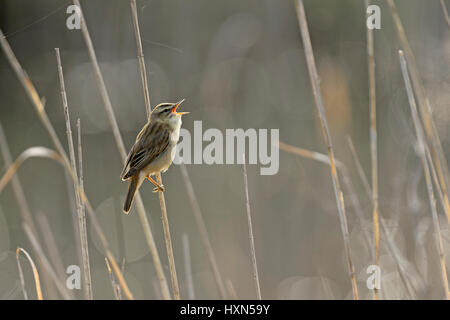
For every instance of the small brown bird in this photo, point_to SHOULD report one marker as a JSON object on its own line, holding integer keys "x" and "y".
{"x": 153, "y": 150}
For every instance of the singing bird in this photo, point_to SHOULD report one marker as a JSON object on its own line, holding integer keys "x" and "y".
{"x": 153, "y": 150}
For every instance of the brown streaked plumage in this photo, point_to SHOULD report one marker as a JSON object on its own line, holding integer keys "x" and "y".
{"x": 153, "y": 150}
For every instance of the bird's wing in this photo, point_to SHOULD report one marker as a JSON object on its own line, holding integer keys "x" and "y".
{"x": 151, "y": 143}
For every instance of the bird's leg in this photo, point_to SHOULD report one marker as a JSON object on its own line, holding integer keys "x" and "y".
{"x": 159, "y": 188}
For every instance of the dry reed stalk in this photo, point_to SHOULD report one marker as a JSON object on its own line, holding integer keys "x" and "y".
{"x": 231, "y": 291}
{"x": 359, "y": 167}
{"x": 74, "y": 214}
{"x": 188, "y": 266}
{"x": 32, "y": 94}
{"x": 198, "y": 216}
{"x": 425, "y": 110}
{"x": 16, "y": 184}
{"x": 21, "y": 278}
{"x": 52, "y": 248}
{"x": 168, "y": 241}
{"x": 116, "y": 288}
{"x": 250, "y": 233}
{"x": 47, "y": 265}
{"x": 121, "y": 147}
{"x": 320, "y": 157}
{"x": 421, "y": 150}
{"x": 444, "y": 9}
{"x": 87, "y": 287}
{"x": 315, "y": 83}
{"x": 162, "y": 202}
{"x": 81, "y": 183}
{"x": 373, "y": 143}
{"x": 33, "y": 152}
{"x": 325, "y": 284}
{"x": 142, "y": 68}
{"x": 23, "y": 205}
{"x": 436, "y": 179}
{"x": 316, "y": 156}
{"x": 394, "y": 251}
{"x": 35, "y": 274}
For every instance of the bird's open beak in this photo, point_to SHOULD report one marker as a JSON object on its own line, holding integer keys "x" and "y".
{"x": 175, "y": 107}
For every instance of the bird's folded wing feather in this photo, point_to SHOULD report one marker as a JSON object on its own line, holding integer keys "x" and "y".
{"x": 151, "y": 143}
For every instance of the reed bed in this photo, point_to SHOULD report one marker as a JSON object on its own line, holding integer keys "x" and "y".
{"x": 377, "y": 236}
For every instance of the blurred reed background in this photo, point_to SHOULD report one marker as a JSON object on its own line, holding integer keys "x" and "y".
{"x": 239, "y": 64}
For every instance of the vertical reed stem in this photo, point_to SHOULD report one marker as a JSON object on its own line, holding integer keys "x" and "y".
{"x": 315, "y": 83}
{"x": 203, "y": 230}
{"x": 162, "y": 202}
{"x": 250, "y": 234}
{"x": 425, "y": 109}
{"x": 188, "y": 266}
{"x": 33, "y": 95}
{"x": 373, "y": 145}
{"x": 121, "y": 147}
{"x": 87, "y": 287}
{"x": 421, "y": 150}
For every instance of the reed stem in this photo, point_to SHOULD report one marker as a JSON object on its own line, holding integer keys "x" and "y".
{"x": 315, "y": 83}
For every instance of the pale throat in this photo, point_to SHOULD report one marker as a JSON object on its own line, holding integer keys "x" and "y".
{"x": 175, "y": 124}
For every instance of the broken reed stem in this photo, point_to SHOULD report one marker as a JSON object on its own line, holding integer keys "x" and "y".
{"x": 421, "y": 150}
{"x": 373, "y": 143}
{"x": 444, "y": 9}
{"x": 425, "y": 110}
{"x": 315, "y": 83}
{"x": 250, "y": 234}
{"x": 121, "y": 147}
{"x": 188, "y": 266}
{"x": 162, "y": 202}
{"x": 316, "y": 156}
{"x": 32, "y": 94}
{"x": 198, "y": 216}
{"x": 35, "y": 274}
{"x": 87, "y": 287}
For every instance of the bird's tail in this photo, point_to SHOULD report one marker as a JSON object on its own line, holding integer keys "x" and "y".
{"x": 131, "y": 192}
